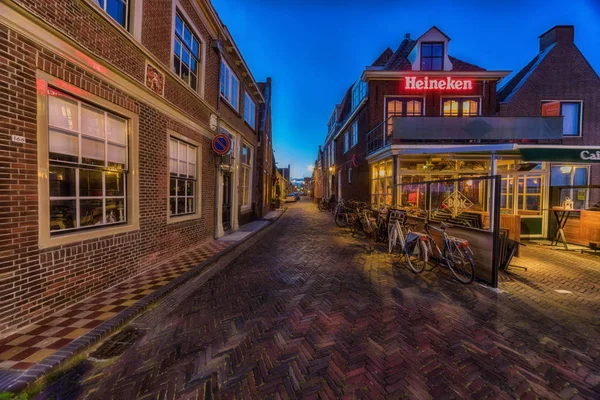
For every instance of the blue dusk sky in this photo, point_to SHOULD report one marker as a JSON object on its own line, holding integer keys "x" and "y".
{"x": 314, "y": 50}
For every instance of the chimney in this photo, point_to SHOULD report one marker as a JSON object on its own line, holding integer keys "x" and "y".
{"x": 407, "y": 36}
{"x": 558, "y": 34}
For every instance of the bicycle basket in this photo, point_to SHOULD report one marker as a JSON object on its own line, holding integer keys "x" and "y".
{"x": 411, "y": 243}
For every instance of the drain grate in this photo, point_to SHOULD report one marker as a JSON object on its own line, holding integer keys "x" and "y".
{"x": 116, "y": 345}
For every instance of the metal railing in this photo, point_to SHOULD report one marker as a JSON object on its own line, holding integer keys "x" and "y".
{"x": 377, "y": 138}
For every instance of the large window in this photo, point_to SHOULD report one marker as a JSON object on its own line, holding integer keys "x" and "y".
{"x": 381, "y": 184}
{"x": 354, "y": 140}
{"x": 432, "y": 56}
{"x": 460, "y": 107}
{"x": 117, "y": 9}
{"x": 359, "y": 92}
{"x": 249, "y": 110}
{"x": 401, "y": 107}
{"x": 571, "y": 175}
{"x": 230, "y": 85}
{"x": 186, "y": 57}
{"x": 88, "y": 164}
{"x": 570, "y": 111}
{"x": 183, "y": 179}
{"x": 246, "y": 176}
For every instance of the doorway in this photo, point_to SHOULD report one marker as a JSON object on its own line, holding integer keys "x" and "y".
{"x": 227, "y": 200}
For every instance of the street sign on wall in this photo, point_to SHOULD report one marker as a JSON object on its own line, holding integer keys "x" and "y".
{"x": 221, "y": 144}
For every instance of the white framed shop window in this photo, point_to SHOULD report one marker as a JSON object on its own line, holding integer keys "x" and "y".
{"x": 185, "y": 178}
{"x": 87, "y": 165}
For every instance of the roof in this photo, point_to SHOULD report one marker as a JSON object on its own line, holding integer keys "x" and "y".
{"x": 508, "y": 89}
{"x": 383, "y": 58}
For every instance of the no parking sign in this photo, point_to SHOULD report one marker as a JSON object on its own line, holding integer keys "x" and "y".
{"x": 221, "y": 144}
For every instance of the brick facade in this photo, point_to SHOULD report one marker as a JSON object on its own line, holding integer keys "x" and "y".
{"x": 105, "y": 60}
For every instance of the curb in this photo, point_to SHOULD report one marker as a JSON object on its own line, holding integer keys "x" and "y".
{"x": 15, "y": 384}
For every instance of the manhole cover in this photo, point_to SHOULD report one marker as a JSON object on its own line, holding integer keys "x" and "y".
{"x": 116, "y": 345}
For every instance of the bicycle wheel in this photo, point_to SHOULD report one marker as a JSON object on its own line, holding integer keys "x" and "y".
{"x": 416, "y": 258}
{"x": 461, "y": 264}
{"x": 392, "y": 238}
{"x": 340, "y": 218}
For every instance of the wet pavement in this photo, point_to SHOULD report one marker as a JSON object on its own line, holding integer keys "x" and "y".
{"x": 307, "y": 311}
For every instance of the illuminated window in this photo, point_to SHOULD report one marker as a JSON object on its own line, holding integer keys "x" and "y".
{"x": 381, "y": 184}
{"x": 246, "y": 176}
{"x": 432, "y": 56}
{"x": 401, "y": 107}
{"x": 186, "y": 57}
{"x": 117, "y": 9}
{"x": 249, "y": 110}
{"x": 88, "y": 165}
{"x": 460, "y": 107}
{"x": 230, "y": 85}
{"x": 346, "y": 141}
{"x": 569, "y": 110}
{"x": 183, "y": 179}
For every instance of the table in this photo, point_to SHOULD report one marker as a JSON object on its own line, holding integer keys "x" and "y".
{"x": 562, "y": 216}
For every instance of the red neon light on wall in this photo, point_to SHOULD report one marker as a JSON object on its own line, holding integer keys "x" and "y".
{"x": 447, "y": 83}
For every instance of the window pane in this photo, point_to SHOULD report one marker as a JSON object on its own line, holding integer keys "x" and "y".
{"x": 177, "y": 64}
{"x": 192, "y": 170}
{"x": 115, "y": 182}
{"x": 181, "y": 206}
{"x": 194, "y": 81}
{"x": 173, "y": 167}
{"x": 172, "y": 187}
{"x": 116, "y": 131}
{"x": 178, "y": 25}
{"x": 173, "y": 205}
{"x": 426, "y": 49}
{"x": 117, "y": 10}
{"x": 189, "y": 188}
{"x": 115, "y": 210}
{"x": 191, "y": 154}
{"x": 62, "y": 111}
{"x": 436, "y": 64}
{"x": 63, "y": 146}
{"x": 182, "y": 168}
{"x": 185, "y": 57}
{"x": 470, "y": 108}
{"x": 90, "y": 212}
{"x": 187, "y": 36}
{"x": 62, "y": 214}
{"x": 580, "y": 177}
{"x": 92, "y": 121}
{"x": 92, "y": 152}
{"x": 195, "y": 47}
{"x": 182, "y": 153}
{"x": 570, "y": 112}
{"x": 450, "y": 108}
{"x": 190, "y": 205}
{"x": 426, "y": 64}
{"x": 117, "y": 156}
{"x": 180, "y": 187}
{"x": 62, "y": 182}
{"x": 177, "y": 49}
{"x": 90, "y": 183}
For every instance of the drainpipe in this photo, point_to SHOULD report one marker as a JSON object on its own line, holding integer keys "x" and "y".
{"x": 217, "y": 46}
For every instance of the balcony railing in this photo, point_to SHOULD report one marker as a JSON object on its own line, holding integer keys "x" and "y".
{"x": 464, "y": 130}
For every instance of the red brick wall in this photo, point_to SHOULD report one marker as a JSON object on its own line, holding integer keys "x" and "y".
{"x": 37, "y": 282}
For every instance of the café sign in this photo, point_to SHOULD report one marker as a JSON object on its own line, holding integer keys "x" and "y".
{"x": 574, "y": 155}
{"x": 447, "y": 83}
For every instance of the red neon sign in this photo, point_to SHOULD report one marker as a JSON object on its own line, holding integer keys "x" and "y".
{"x": 447, "y": 83}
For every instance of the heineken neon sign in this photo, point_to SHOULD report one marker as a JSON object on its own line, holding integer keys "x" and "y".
{"x": 447, "y": 83}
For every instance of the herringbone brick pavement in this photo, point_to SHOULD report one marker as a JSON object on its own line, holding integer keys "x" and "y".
{"x": 309, "y": 312}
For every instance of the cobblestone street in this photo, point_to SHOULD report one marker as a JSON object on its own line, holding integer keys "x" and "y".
{"x": 308, "y": 311}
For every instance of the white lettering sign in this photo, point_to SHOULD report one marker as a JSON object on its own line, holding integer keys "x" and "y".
{"x": 18, "y": 139}
{"x": 447, "y": 83}
{"x": 586, "y": 155}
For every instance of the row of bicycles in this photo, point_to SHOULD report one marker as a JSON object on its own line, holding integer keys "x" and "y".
{"x": 417, "y": 249}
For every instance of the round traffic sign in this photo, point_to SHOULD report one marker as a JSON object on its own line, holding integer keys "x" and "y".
{"x": 221, "y": 144}
{"x": 355, "y": 160}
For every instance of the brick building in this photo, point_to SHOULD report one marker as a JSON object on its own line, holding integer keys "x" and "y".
{"x": 108, "y": 114}
{"x": 418, "y": 114}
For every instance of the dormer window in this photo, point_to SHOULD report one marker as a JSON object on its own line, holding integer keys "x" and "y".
{"x": 432, "y": 56}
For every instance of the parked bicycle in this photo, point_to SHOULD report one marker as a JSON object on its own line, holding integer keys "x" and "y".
{"x": 455, "y": 254}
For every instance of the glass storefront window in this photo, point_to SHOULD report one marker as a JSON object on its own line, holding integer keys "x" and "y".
{"x": 529, "y": 193}
{"x": 571, "y": 175}
{"x": 381, "y": 184}
{"x": 506, "y": 194}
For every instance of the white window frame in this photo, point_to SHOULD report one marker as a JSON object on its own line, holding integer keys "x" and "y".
{"x": 354, "y": 136}
{"x": 246, "y": 168}
{"x": 226, "y": 84}
{"x": 188, "y": 149}
{"x": 249, "y": 110}
{"x": 43, "y": 82}
{"x": 359, "y": 91}
{"x": 201, "y": 50}
{"x": 580, "y": 115}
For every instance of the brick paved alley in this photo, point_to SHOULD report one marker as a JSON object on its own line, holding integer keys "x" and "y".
{"x": 307, "y": 311}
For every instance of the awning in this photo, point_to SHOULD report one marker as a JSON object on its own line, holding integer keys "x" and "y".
{"x": 561, "y": 154}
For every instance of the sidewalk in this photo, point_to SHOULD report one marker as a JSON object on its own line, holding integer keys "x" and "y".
{"x": 35, "y": 350}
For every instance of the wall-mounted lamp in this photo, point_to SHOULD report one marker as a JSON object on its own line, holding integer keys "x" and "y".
{"x": 566, "y": 169}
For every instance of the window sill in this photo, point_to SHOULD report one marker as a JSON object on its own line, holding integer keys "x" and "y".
{"x": 76, "y": 237}
{"x": 250, "y": 126}
{"x": 225, "y": 101}
{"x": 182, "y": 218}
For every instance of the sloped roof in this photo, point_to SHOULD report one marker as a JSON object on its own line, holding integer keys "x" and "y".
{"x": 508, "y": 89}
{"x": 383, "y": 58}
{"x": 345, "y": 106}
{"x": 460, "y": 65}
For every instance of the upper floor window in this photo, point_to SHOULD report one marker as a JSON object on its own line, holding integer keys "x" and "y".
{"x": 186, "y": 57}
{"x": 183, "y": 180}
{"x": 460, "y": 107}
{"x": 359, "y": 91}
{"x": 117, "y": 9}
{"x": 402, "y": 107}
{"x": 354, "y": 134}
{"x": 432, "y": 56}
{"x": 88, "y": 164}
{"x": 569, "y": 110}
{"x": 332, "y": 121}
{"x": 346, "y": 141}
{"x": 249, "y": 110}
{"x": 230, "y": 85}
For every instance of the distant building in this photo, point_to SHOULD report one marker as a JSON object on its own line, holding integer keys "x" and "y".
{"x": 285, "y": 172}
